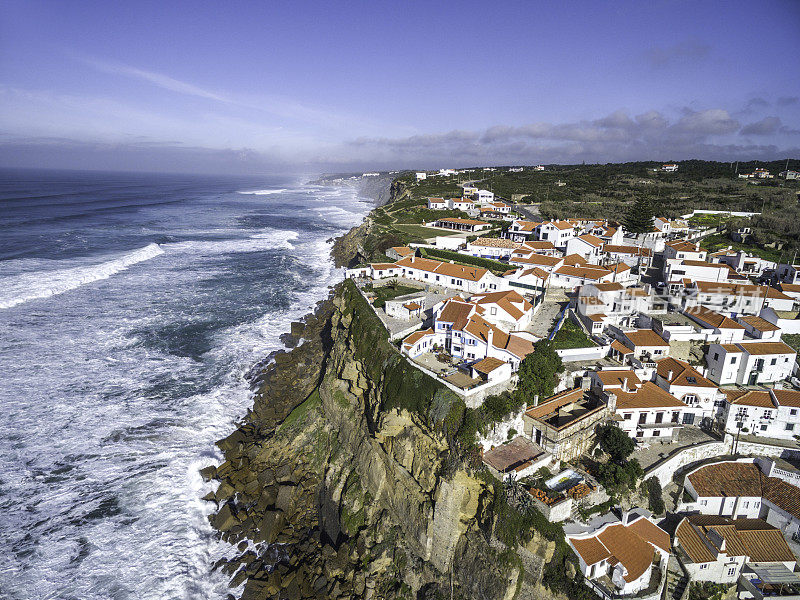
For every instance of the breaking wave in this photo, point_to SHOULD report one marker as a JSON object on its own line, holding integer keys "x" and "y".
{"x": 263, "y": 192}
{"x": 43, "y": 284}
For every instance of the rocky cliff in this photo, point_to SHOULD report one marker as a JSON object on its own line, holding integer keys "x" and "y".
{"x": 341, "y": 481}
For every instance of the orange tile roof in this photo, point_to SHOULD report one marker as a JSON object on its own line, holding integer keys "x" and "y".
{"x": 647, "y": 396}
{"x": 456, "y": 312}
{"x": 632, "y": 545}
{"x": 613, "y": 378}
{"x": 787, "y": 397}
{"x": 759, "y": 323}
{"x": 753, "y": 538}
{"x": 553, "y": 403}
{"x": 383, "y": 266}
{"x": 763, "y": 348}
{"x": 591, "y": 239}
{"x": 744, "y": 479}
{"x": 757, "y": 398}
{"x": 538, "y": 259}
{"x": 417, "y": 336}
{"x": 645, "y": 338}
{"x": 712, "y": 318}
{"x": 583, "y": 272}
{"x": 620, "y": 347}
{"x": 682, "y": 373}
{"x": 494, "y": 243}
{"x": 488, "y": 364}
{"x": 402, "y": 250}
{"x": 636, "y": 251}
{"x": 611, "y": 286}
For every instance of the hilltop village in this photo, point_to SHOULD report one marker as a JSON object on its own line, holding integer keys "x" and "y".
{"x": 632, "y": 378}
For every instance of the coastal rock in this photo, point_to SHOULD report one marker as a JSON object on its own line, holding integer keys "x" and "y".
{"x": 361, "y": 490}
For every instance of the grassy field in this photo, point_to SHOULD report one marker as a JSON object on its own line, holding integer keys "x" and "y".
{"x": 384, "y": 293}
{"x": 719, "y": 241}
{"x": 423, "y": 232}
{"x": 571, "y": 336}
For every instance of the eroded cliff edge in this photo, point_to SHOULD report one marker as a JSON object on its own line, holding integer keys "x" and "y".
{"x": 335, "y": 476}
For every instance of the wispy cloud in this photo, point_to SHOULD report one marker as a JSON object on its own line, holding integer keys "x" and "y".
{"x": 323, "y": 118}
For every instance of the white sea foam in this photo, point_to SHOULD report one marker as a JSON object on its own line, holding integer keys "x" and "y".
{"x": 43, "y": 284}
{"x": 270, "y": 240}
{"x": 263, "y": 192}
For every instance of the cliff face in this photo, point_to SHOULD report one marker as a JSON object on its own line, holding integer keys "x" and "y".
{"x": 343, "y": 479}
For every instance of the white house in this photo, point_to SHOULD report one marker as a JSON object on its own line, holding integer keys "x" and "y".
{"x": 773, "y": 413}
{"x": 750, "y": 363}
{"x": 494, "y": 248}
{"x": 419, "y": 343}
{"x": 438, "y": 204}
{"x": 742, "y": 262}
{"x": 649, "y": 412}
{"x": 458, "y": 224}
{"x": 469, "y": 279}
{"x": 684, "y": 250}
{"x": 467, "y": 191}
{"x": 739, "y": 489}
{"x": 466, "y": 335}
{"x": 464, "y": 204}
{"x": 689, "y": 386}
{"x": 736, "y": 297}
{"x": 676, "y": 270}
{"x": 569, "y": 276}
{"x": 715, "y": 548}
{"x": 587, "y": 245}
{"x": 506, "y": 309}
{"x": 630, "y": 255}
{"x": 557, "y": 232}
{"x": 644, "y": 343}
{"x": 788, "y": 273}
{"x": 625, "y": 550}
{"x": 669, "y": 168}
{"x": 521, "y": 230}
{"x": 726, "y": 330}
{"x": 483, "y": 196}
{"x": 421, "y": 175}
{"x": 758, "y": 327}
{"x": 524, "y": 258}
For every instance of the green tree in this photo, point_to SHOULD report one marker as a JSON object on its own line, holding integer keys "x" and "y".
{"x": 655, "y": 500}
{"x": 639, "y": 218}
{"x": 538, "y": 372}
{"x": 615, "y": 442}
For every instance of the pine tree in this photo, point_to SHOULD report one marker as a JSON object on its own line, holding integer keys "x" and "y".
{"x": 640, "y": 217}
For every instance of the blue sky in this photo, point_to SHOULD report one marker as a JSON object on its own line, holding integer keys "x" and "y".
{"x": 260, "y": 86}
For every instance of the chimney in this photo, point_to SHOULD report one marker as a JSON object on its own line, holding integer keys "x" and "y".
{"x": 536, "y": 400}
{"x": 669, "y": 376}
{"x": 611, "y": 403}
{"x": 489, "y": 339}
{"x": 624, "y": 384}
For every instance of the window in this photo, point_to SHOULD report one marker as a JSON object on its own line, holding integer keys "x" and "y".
{"x": 763, "y": 428}
{"x": 774, "y": 361}
{"x": 793, "y": 411}
{"x": 690, "y": 398}
{"x": 676, "y": 416}
{"x": 716, "y": 355}
{"x": 656, "y": 433}
{"x": 642, "y": 417}
{"x": 703, "y": 502}
{"x": 733, "y": 360}
{"x": 688, "y": 418}
{"x": 703, "y": 566}
{"x": 627, "y": 416}
{"x": 731, "y": 571}
{"x": 747, "y": 505}
{"x": 639, "y": 433}
{"x": 493, "y": 310}
{"x": 659, "y": 417}
{"x": 790, "y": 427}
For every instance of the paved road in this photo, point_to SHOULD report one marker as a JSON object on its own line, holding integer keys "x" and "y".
{"x": 529, "y": 211}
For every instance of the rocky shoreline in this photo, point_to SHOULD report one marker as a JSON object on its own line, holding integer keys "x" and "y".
{"x": 342, "y": 480}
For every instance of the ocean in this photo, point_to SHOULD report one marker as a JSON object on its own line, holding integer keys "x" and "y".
{"x": 132, "y": 307}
